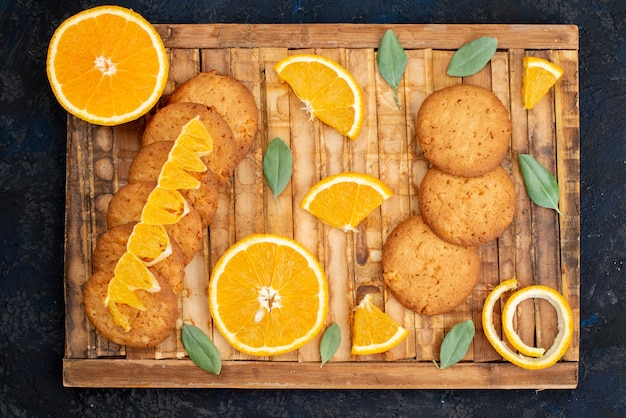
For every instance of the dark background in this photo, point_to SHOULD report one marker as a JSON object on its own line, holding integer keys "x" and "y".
{"x": 32, "y": 176}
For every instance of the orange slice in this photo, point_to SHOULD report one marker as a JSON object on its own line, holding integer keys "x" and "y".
{"x": 539, "y": 76}
{"x": 118, "y": 292}
{"x": 107, "y": 65}
{"x": 135, "y": 274}
{"x": 536, "y": 358}
{"x": 164, "y": 207}
{"x": 150, "y": 243}
{"x": 328, "y": 91}
{"x": 373, "y": 330}
{"x": 344, "y": 200}
{"x": 173, "y": 177}
{"x": 268, "y": 295}
{"x": 194, "y": 137}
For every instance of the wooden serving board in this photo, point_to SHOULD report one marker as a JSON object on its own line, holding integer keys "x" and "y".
{"x": 539, "y": 247}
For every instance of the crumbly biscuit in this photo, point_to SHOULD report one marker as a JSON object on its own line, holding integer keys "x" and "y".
{"x": 127, "y": 204}
{"x": 146, "y": 167}
{"x": 167, "y": 123}
{"x": 464, "y": 130}
{"x": 148, "y": 328}
{"x": 425, "y": 273}
{"x": 468, "y": 211}
{"x": 111, "y": 245}
{"x": 230, "y": 98}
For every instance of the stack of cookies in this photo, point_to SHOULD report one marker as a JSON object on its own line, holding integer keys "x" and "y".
{"x": 466, "y": 199}
{"x": 229, "y": 112}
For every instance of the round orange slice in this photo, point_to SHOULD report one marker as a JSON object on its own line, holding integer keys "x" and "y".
{"x": 268, "y": 295}
{"x": 107, "y": 65}
{"x": 344, "y": 200}
{"x": 374, "y": 331}
{"x": 328, "y": 91}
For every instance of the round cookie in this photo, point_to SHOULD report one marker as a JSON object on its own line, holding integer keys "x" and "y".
{"x": 468, "y": 211}
{"x": 464, "y": 130}
{"x": 425, "y": 273}
{"x": 148, "y": 328}
{"x": 167, "y": 123}
{"x": 127, "y": 204}
{"x": 111, "y": 245}
{"x": 146, "y": 167}
{"x": 230, "y": 98}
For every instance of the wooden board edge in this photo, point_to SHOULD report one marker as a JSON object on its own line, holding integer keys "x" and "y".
{"x": 339, "y": 375}
{"x": 353, "y": 35}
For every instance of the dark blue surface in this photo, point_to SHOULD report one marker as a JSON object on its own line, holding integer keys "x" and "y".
{"x": 32, "y": 175}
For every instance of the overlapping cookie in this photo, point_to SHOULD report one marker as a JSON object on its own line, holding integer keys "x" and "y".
{"x": 229, "y": 113}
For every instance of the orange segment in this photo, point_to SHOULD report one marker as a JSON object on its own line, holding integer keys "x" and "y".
{"x": 539, "y": 76}
{"x": 268, "y": 295}
{"x": 118, "y": 292}
{"x": 373, "y": 330}
{"x": 173, "y": 177}
{"x": 164, "y": 207}
{"x": 329, "y": 92}
{"x": 536, "y": 358}
{"x": 107, "y": 65}
{"x": 195, "y": 137}
{"x": 150, "y": 243}
{"x": 135, "y": 274}
{"x": 344, "y": 200}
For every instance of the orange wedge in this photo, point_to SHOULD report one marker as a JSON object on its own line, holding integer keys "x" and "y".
{"x": 107, "y": 65}
{"x": 539, "y": 76}
{"x": 118, "y": 292}
{"x": 527, "y": 357}
{"x": 373, "y": 330}
{"x": 268, "y": 295}
{"x": 328, "y": 91}
{"x": 164, "y": 207}
{"x": 150, "y": 243}
{"x": 344, "y": 200}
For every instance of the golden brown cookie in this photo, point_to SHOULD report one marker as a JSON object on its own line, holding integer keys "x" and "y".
{"x": 148, "y": 328}
{"x": 468, "y": 211}
{"x": 425, "y": 273}
{"x": 230, "y": 98}
{"x": 111, "y": 245}
{"x": 127, "y": 204}
{"x": 146, "y": 167}
{"x": 168, "y": 122}
{"x": 463, "y": 130}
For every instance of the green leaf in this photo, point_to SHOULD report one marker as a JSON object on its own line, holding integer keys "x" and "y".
{"x": 201, "y": 349}
{"x": 277, "y": 166}
{"x": 330, "y": 342}
{"x": 456, "y": 343}
{"x": 472, "y": 57}
{"x": 391, "y": 60}
{"x": 540, "y": 184}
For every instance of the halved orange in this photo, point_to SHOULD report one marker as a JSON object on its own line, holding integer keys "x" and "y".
{"x": 150, "y": 243}
{"x": 107, "y": 65}
{"x": 268, "y": 295}
{"x": 539, "y": 75}
{"x": 344, "y": 200}
{"x": 328, "y": 91}
{"x": 164, "y": 207}
{"x": 374, "y": 331}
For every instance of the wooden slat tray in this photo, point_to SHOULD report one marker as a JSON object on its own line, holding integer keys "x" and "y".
{"x": 539, "y": 247}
